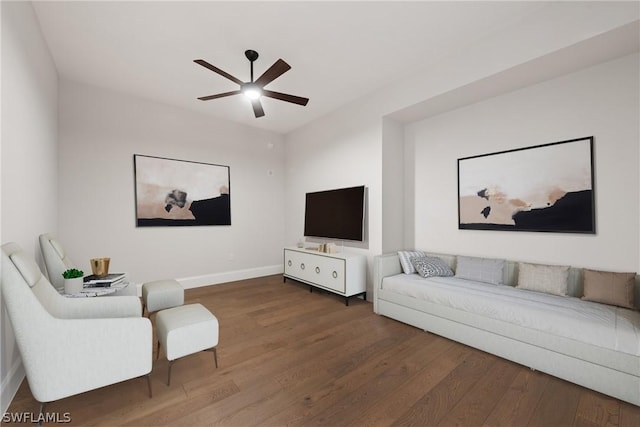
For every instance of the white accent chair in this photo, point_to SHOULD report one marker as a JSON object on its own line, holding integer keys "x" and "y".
{"x": 55, "y": 259}
{"x": 56, "y": 262}
{"x": 71, "y": 345}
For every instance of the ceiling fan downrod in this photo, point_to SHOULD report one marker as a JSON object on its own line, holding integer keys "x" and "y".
{"x": 251, "y": 55}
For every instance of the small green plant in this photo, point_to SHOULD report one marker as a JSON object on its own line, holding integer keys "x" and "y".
{"x": 72, "y": 273}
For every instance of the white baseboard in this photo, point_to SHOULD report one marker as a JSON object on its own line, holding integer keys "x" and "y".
{"x": 230, "y": 276}
{"x": 11, "y": 384}
{"x": 227, "y": 276}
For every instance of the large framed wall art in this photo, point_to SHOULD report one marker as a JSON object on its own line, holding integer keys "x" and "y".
{"x": 172, "y": 192}
{"x": 548, "y": 187}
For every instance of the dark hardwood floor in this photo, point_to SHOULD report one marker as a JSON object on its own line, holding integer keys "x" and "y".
{"x": 290, "y": 357}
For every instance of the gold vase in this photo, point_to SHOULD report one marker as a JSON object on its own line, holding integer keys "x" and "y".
{"x": 100, "y": 266}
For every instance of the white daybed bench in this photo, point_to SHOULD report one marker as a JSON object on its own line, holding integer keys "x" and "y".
{"x": 591, "y": 344}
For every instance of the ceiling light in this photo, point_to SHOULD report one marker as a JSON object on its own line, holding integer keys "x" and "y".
{"x": 251, "y": 91}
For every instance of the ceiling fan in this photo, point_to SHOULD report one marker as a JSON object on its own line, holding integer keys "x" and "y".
{"x": 255, "y": 89}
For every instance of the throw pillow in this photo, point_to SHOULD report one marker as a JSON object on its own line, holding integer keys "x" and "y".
{"x": 609, "y": 288}
{"x": 550, "y": 279}
{"x": 405, "y": 260}
{"x": 427, "y": 266}
{"x": 480, "y": 269}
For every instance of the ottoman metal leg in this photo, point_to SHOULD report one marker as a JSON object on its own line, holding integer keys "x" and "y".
{"x": 215, "y": 355}
{"x": 149, "y": 384}
{"x": 215, "y": 359}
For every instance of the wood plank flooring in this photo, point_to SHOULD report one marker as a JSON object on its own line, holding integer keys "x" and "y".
{"x": 288, "y": 357}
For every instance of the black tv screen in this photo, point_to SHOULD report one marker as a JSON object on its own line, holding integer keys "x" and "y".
{"x": 335, "y": 214}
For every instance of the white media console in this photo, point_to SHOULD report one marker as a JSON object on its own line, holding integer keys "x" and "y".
{"x": 341, "y": 273}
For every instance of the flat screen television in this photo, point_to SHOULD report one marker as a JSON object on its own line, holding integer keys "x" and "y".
{"x": 335, "y": 214}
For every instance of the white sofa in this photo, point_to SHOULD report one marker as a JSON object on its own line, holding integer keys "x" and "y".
{"x": 606, "y": 370}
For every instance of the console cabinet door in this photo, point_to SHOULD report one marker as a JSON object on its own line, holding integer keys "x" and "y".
{"x": 295, "y": 264}
{"x": 328, "y": 272}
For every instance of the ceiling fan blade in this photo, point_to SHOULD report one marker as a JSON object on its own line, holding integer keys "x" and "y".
{"x": 285, "y": 97}
{"x": 257, "y": 108}
{"x": 219, "y": 95}
{"x": 276, "y": 70}
{"x": 217, "y": 70}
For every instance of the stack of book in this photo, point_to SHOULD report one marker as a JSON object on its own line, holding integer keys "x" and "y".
{"x": 107, "y": 281}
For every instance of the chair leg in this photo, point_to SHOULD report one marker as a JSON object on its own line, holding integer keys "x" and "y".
{"x": 149, "y": 384}
{"x": 41, "y": 413}
{"x": 158, "y": 350}
{"x": 169, "y": 373}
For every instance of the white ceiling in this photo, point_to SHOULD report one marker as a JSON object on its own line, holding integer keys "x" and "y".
{"x": 338, "y": 51}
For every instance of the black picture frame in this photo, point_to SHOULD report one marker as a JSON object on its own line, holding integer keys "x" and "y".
{"x": 171, "y": 192}
{"x": 544, "y": 188}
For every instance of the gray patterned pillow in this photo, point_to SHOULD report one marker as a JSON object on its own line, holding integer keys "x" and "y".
{"x": 428, "y": 266}
{"x": 405, "y": 260}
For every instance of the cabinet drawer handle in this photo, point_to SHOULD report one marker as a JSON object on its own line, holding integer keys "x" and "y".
{"x": 318, "y": 270}
{"x": 289, "y": 263}
{"x": 335, "y": 274}
{"x": 302, "y": 265}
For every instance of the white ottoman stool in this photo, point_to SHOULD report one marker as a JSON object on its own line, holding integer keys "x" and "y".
{"x": 186, "y": 330}
{"x": 161, "y": 294}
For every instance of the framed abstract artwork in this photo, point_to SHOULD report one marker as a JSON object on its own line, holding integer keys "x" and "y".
{"x": 170, "y": 192}
{"x": 547, "y": 187}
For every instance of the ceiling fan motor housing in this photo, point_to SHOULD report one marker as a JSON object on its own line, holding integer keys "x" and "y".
{"x": 251, "y": 55}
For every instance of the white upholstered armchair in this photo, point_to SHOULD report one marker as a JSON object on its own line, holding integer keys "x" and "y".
{"x": 62, "y": 340}
{"x": 56, "y": 260}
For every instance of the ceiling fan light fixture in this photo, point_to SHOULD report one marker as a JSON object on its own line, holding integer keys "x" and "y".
{"x": 251, "y": 91}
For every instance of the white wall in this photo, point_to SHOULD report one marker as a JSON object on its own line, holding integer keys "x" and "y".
{"x": 346, "y": 147}
{"x": 602, "y": 101}
{"x": 393, "y": 189}
{"x": 101, "y": 130}
{"x": 338, "y": 151}
{"x": 29, "y": 156}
